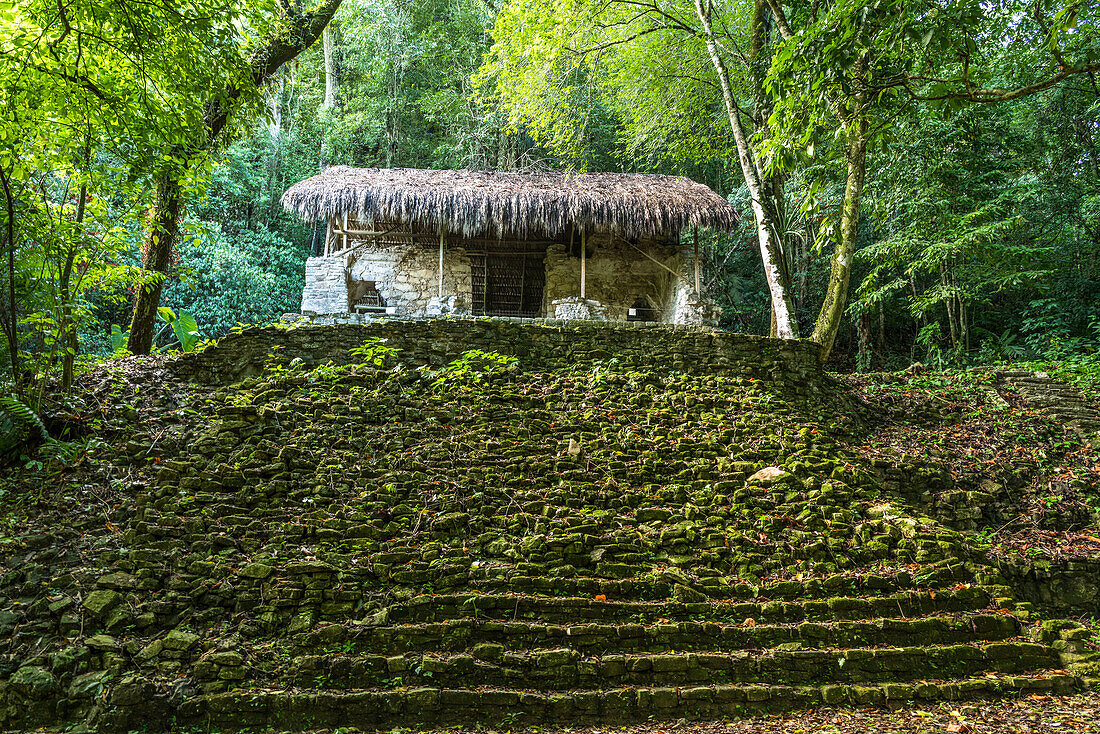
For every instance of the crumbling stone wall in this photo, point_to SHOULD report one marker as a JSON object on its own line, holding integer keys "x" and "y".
{"x": 687, "y": 307}
{"x": 407, "y": 276}
{"x": 326, "y": 289}
{"x": 538, "y": 344}
{"x": 1059, "y": 586}
{"x": 616, "y": 275}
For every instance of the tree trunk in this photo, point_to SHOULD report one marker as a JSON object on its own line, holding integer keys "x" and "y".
{"x": 863, "y": 329}
{"x": 836, "y": 295}
{"x": 328, "y": 41}
{"x": 771, "y": 252}
{"x": 10, "y": 330}
{"x": 69, "y": 343}
{"x": 161, "y": 238}
{"x": 949, "y": 303}
{"x": 882, "y": 329}
{"x": 298, "y": 30}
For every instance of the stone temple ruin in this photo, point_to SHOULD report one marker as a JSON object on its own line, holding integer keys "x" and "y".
{"x": 598, "y": 246}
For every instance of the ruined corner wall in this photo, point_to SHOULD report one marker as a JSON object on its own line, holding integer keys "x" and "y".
{"x": 407, "y": 275}
{"x": 326, "y": 289}
{"x": 615, "y": 275}
{"x": 538, "y": 344}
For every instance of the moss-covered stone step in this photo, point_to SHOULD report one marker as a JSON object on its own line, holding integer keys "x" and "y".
{"x": 520, "y": 579}
{"x": 595, "y": 638}
{"x": 515, "y": 607}
{"x": 565, "y": 667}
{"x": 309, "y": 708}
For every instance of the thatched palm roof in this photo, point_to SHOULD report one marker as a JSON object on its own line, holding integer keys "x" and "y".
{"x": 514, "y": 204}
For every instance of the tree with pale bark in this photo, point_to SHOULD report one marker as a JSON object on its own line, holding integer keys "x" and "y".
{"x": 790, "y": 79}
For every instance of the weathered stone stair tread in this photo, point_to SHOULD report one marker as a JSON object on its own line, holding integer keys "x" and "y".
{"x": 1060, "y": 401}
{"x": 930, "y": 578}
{"x": 294, "y": 708}
{"x": 441, "y": 607}
{"x": 557, "y": 668}
{"x": 460, "y": 634}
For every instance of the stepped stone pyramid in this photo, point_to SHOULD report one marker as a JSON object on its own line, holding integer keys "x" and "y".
{"x": 375, "y": 546}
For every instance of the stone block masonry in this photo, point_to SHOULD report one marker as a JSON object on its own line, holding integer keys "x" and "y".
{"x": 326, "y": 288}
{"x": 537, "y": 344}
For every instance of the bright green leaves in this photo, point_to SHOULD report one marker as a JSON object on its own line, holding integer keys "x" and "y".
{"x": 183, "y": 326}
{"x": 575, "y": 74}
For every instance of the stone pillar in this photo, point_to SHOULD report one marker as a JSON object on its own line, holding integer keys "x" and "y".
{"x": 326, "y": 288}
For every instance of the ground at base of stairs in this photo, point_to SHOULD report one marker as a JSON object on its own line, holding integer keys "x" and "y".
{"x": 1031, "y": 715}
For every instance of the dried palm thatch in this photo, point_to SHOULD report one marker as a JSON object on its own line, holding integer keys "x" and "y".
{"x": 511, "y": 204}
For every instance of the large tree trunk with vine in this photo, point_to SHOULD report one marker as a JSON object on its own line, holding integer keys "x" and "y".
{"x": 298, "y": 30}
{"x": 163, "y": 229}
{"x": 771, "y": 252}
{"x": 840, "y": 271}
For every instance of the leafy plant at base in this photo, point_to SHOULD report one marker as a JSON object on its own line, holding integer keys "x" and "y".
{"x": 182, "y": 325}
{"x": 374, "y": 351}
{"x": 118, "y": 339}
{"x": 474, "y": 367}
{"x": 17, "y": 422}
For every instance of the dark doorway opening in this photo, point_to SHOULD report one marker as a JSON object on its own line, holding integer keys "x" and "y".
{"x": 642, "y": 310}
{"x": 363, "y": 297}
{"x": 507, "y": 283}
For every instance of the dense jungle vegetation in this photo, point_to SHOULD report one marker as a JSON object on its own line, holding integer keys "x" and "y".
{"x": 303, "y": 527}
{"x": 927, "y": 174}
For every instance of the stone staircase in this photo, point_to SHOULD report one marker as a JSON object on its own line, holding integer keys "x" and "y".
{"x": 346, "y": 549}
{"x": 1063, "y": 402}
{"x": 632, "y": 664}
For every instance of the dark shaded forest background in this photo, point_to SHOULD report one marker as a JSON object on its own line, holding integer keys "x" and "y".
{"x": 979, "y": 240}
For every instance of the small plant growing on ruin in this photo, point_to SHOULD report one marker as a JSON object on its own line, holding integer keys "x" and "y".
{"x": 375, "y": 352}
{"x": 472, "y": 368}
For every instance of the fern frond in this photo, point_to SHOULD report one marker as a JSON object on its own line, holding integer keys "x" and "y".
{"x": 21, "y": 414}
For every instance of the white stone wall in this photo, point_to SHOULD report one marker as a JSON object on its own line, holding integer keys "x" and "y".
{"x": 687, "y": 307}
{"x": 326, "y": 289}
{"x": 407, "y": 276}
{"x": 577, "y": 309}
{"x": 616, "y": 275}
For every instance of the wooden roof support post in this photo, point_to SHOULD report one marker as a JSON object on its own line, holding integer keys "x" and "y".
{"x": 345, "y": 235}
{"x": 584, "y": 248}
{"x": 695, "y": 236}
{"x": 442, "y": 229}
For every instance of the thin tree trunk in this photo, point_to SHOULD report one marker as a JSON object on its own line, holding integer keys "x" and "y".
{"x": 10, "y": 319}
{"x": 918, "y": 319}
{"x": 70, "y": 345}
{"x": 329, "y": 44}
{"x": 881, "y": 329}
{"x": 786, "y": 327}
{"x": 328, "y": 41}
{"x": 70, "y": 341}
{"x": 864, "y": 335}
{"x": 836, "y": 295}
{"x": 161, "y": 238}
{"x": 964, "y": 332}
{"x": 949, "y": 303}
